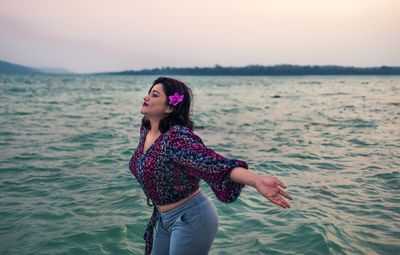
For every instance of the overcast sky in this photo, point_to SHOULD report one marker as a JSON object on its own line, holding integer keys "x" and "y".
{"x": 114, "y": 35}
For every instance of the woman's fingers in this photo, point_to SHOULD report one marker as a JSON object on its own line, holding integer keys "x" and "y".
{"x": 283, "y": 202}
{"x": 280, "y": 183}
{"x": 275, "y": 198}
{"x": 283, "y": 193}
{"x": 279, "y": 201}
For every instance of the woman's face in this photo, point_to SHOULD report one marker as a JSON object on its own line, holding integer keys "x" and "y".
{"x": 155, "y": 103}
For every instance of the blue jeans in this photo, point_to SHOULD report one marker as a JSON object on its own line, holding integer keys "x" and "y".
{"x": 189, "y": 228}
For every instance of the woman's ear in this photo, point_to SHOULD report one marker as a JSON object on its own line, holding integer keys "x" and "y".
{"x": 169, "y": 109}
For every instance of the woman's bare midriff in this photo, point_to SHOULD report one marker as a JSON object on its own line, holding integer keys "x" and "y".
{"x": 166, "y": 208}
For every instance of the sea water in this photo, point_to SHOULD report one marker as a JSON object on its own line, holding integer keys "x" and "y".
{"x": 66, "y": 140}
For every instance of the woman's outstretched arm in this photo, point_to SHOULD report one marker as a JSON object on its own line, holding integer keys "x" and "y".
{"x": 268, "y": 186}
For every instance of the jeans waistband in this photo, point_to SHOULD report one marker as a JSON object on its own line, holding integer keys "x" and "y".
{"x": 195, "y": 200}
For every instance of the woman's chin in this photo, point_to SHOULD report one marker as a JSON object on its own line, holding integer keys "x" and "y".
{"x": 142, "y": 111}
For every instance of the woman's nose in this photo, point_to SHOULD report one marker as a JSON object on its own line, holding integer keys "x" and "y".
{"x": 145, "y": 98}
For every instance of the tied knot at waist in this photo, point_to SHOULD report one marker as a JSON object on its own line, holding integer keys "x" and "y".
{"x": 148, "y": 235}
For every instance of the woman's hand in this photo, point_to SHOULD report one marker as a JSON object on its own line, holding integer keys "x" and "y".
{"x": 269, "y": 186}
{"x": 272, "y": 188}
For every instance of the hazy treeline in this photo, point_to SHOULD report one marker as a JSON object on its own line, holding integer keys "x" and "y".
{"x": 267, "y": 70}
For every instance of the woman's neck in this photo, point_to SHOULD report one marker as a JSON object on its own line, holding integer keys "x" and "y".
{"x": 155, "y": 124}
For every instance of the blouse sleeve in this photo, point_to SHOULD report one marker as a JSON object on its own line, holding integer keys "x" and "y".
{"x": 188, "y": 150}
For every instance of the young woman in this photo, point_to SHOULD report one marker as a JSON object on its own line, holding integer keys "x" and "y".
{"x": 169, "y": 162}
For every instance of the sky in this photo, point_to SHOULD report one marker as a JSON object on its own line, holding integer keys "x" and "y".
{"x": 86, "y": 36}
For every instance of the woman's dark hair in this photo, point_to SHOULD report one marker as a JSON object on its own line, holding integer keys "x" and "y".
{"x": 181, "y": 113}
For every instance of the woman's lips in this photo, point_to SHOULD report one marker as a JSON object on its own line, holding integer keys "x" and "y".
{"x": 144, "y": 104}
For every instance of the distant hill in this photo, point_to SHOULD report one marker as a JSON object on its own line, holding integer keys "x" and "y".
{"x": 266, "y": 70}
{"x": 6, "y": 67}
{"x": 10, "y": 68}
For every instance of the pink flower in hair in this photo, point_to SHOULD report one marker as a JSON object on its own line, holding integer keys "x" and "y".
{"x": 175, "y": 99}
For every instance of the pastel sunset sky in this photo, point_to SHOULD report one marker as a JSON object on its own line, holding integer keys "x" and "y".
{"x": 115, "y": 35}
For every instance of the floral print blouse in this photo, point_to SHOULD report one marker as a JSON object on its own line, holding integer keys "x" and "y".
{"x": 172, "y": 167}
